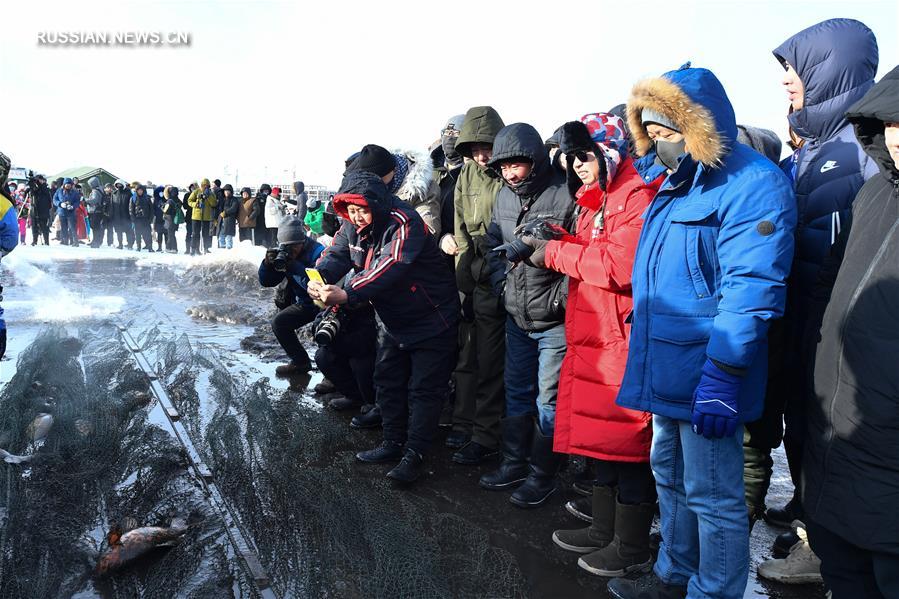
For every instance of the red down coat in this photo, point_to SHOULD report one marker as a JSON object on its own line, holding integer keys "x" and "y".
{"x": 598, "y": 263}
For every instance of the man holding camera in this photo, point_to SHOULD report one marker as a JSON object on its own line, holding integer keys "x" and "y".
{"x": 295, "y": 253}
{"x": 534, "y": 201}
{"x": 66, "y": 200}
{"x": 396, "y": 266}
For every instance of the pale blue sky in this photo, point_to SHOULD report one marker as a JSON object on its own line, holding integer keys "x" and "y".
{"x": 273, "y": 87}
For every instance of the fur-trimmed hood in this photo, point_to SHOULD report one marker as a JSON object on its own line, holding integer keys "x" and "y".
{"x": 419, "y": 177}
{"x": 696, "y": 102}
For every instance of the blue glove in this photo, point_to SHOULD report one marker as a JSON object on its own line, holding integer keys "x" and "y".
{"x": 716, "y": 408}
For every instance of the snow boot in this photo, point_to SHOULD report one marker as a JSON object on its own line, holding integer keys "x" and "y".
{"x": 515, "y": 445}
{"x": 294, "y": 368}
{"x": 784, "y": 544}
{"x": 342, "y": 403}
{"x": 583, "y": 480}
{"x": 409, "y": 469}
{"x": 802, "y": 566}
{"x": 541, "y": 481}
{"x": 649, "y": 586}
{"x": 600, "y": 532}
{"x": 629, "y": 550}
{"x": 457, "y": 439}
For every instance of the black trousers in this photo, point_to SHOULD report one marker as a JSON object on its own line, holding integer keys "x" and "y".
{"x": 852, "y": 572}
{"x": 349, "y": 360}
{"x": 200, "y": 232}
{"x": 143, "y": 233}
{"x": 171, "y": 243}
{"x": 634, "y": 480}
{"x": 40, "y": 228}
{"x": 245, "y": 234}
{"x": 99, "y": 226}
{"x": 123, "y": 227}
{"x": 411, "y": 383}
{"x": 285, "y": 325}
{"x": 260, "y": 236}
{"x": 189, "y": 233}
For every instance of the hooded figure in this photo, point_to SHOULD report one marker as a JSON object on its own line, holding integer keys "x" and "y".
{"x": 245, "y": 222}
{"x": 158, "y": 222}
{"x": 120, "y": 212}
{"x": 300, "y": 196}
{"x": 230, "y": 208}
{"x": 98, "y": 211}
{"x": 534, "y": 299}
{"x": 172, "y": 216}
{"x": 836, "y": 61}
{"x": 203, "y": 202}
{"x": 141, "y": 209}
{"x": 850, "y": 460}
{"x": 261, "y": 232}
{"x": 393, "y": 263}
{"x": 709, "y": 275}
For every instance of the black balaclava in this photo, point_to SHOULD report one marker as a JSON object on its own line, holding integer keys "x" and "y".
{"x": 448, "y": 143}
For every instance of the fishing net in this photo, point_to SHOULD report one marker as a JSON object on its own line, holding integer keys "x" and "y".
{"x": 105, "y": 458}
{"x": 322, "y": 530}
{"x": 284, "y": 467}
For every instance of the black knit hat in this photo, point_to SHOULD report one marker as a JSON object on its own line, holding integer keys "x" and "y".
{"x": 374, "y": 159}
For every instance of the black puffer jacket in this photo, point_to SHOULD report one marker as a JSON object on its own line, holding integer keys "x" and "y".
{"x": 121, "y": 203}
{"x": 535, "y": 297}
{"x": 851, "y": 466}
{"x": 395, "y": 262}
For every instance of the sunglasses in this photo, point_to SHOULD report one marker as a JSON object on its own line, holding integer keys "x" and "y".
{"x": 583, "y": 156}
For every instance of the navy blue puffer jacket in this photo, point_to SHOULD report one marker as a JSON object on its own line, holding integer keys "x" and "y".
{"x": 836, "y": 60}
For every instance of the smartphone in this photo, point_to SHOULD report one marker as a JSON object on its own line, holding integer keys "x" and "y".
{"x": 314, "y": 275}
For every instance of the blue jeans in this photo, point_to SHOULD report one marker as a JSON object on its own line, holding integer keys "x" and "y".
{"x": 229, "y": 241}
{"x": 704, "y": 521}
{"x": 533, "y": 364}
{"x": 67, "y": 231}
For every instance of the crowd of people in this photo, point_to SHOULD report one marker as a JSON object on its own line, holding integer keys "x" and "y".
{"x": 135, "y": 215}
{"x": 652, "y": 287}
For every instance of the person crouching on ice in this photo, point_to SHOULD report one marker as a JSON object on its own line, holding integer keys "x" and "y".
{"x": 394, "y": 263}
{"x": 295, "y": 253}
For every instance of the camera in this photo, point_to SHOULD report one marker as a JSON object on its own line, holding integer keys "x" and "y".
{"x": 517, "y": 251}
{"x": 282, "y": 257}
{"x": 329, "y": 326}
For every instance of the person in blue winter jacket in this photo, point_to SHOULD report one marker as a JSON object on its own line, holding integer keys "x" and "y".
{"x": 302, "y": 252}
{"x": 827, "y": 67}
{"x": 709, "y": 275}
{"x": 9, "y": 233}
{"x": 66, "y": 200}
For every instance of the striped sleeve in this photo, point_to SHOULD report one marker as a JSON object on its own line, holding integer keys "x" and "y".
{"x": 393, "y": 259}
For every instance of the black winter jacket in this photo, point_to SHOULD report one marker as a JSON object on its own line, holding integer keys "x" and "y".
{"x": 230, "y": 206}
{"x": 395, "y": 264}
{"x": 141, "y": 208}
{"x": 41, "y": 203}
{"x": 851, "y": 460}
{"x": 535, "y": 298}
{"x": 120, "y": 207}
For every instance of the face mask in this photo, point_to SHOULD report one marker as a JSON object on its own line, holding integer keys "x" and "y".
{"x": 449, "y": 149}
{"x": 669, "y": 153}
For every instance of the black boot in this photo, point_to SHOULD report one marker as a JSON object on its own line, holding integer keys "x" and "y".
{"x": 409, "y": 468}
{"x": 387, "y": 451}
{"x": 629, "y": 550}
{"x": 541, "y": 481}
{"x": 581, "y": 508}
{"x": 515, "y": 445}
{"x": 457, "y": 439}
{"x": 649, "y": 586}
{"x": 367, "y": 419}
{"x": 784, "y": 544}
{"x": 783, "y": 517}
{"x": 342, "y": 403}
{"x": 602, "y": 527}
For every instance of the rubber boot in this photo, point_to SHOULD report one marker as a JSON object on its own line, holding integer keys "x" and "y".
{"x": 629, "y": 550}
{"x": 515, "y": 444}
{"x": 541, "y": 481}
{"x": 600, "y": 532}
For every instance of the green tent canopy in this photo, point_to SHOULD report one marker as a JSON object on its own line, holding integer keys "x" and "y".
{"x": 84, "y": 174}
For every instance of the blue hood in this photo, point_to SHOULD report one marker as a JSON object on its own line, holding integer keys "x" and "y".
{"x": 703, "y": 88}
{"x": 836, "y": 61}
